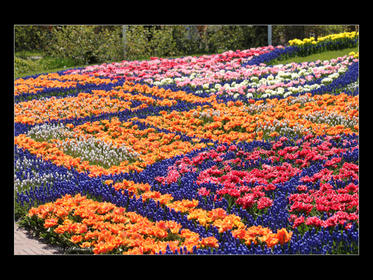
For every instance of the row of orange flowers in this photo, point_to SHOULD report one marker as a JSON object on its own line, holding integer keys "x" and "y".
{"x": 150, "y": 144}
{"x": 55, "y": 80}
{"x": 126, "y": 95}
{"x": 84, "y": 105}
{"x": 217, "y": 217}
{"x": 236, "y": 121}
{"x": 104, "y": 227}
{"x": 163, "y": 93}
{"x": 97, "y": 102}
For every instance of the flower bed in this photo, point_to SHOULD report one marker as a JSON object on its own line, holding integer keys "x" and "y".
{"x": 329, "y": 42}
{"x": 163, "y": 156}
{"x": 159, "y": 68}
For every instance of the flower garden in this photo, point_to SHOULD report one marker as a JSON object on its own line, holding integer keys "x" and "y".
{"x": 217, "y": 154}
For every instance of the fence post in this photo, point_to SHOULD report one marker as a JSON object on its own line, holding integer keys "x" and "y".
{"x": 269, "y": 35}
{"x": 124, "y": 33}
{"x": 189, "y": 28}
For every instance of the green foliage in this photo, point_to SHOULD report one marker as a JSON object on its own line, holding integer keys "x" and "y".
{"x": 187, "y": 39}
{"x": 224, "y": 38}
{"x": 86, "y": 44}
{"x": 163, "y": 43}
{"x": 19, "y": 211}
{"x": 137, "y": 38}
{"x": 160, "y": 41}
{"x": 31, "y": 37}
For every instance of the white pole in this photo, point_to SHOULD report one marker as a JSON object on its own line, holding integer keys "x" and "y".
{"x": 124, "y": 33}
{"x": 269, "y": 35}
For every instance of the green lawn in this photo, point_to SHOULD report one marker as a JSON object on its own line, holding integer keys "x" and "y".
{"x": 313, "y": 57}
{"x": 28, "y": 63}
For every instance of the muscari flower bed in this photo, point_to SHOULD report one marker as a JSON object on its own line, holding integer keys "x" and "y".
{"x": 217, "y": 154}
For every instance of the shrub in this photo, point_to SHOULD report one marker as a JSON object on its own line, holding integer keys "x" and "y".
{"x": 137, "y": 38}
{"x": 86, "y": 43}
{"x": 225, "y": 38}
{"x": 235, "y": 37}
{"x": 30, "y": 37}
{"x": 160, "y": 41}
{"x": 187, "y": 39}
